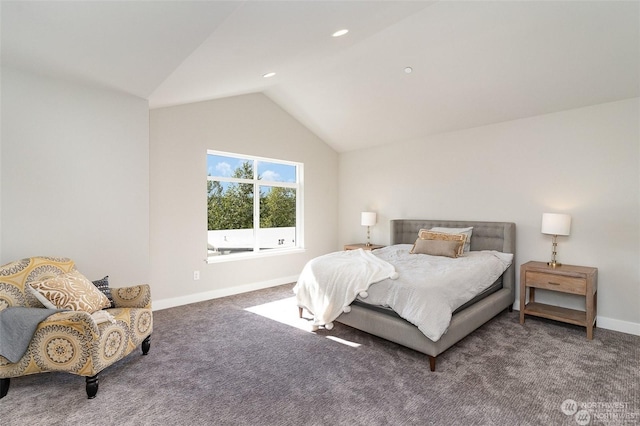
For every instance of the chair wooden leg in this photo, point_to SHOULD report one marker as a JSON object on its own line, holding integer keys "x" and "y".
{"x": 92, "y": 386}
{"x": 146, "y": 344}
{"x": 299, "y": 312}
{"x": 432, "y": 363}
{"x": 4, "y": 387}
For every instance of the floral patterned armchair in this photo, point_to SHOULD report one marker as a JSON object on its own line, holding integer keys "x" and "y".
{"x": 72, "y": 341}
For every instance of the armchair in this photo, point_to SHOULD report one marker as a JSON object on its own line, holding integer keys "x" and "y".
{"x": 72, "y": 341}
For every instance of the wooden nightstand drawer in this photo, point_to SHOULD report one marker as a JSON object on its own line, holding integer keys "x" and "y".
{"x": 553, "y": 282}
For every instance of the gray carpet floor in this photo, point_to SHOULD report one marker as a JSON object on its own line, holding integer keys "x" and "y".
{"x": 246, "y": 360}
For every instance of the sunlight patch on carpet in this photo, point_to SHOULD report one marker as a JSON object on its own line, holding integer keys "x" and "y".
{"x": 344, "y": 342}
{"x": 285, "y": 311}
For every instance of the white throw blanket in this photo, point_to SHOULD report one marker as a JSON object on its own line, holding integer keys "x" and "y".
{"x": 329, "y": 283}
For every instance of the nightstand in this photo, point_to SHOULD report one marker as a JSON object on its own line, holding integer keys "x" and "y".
{"x": 362, "y": 246}
{"x": 580, "y": 280}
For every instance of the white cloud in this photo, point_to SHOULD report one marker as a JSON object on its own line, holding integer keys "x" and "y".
{"x": 223, "y": 169}
{"x": 270, "y": 175}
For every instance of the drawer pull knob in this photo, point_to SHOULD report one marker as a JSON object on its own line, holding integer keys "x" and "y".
{"x": 552, "y": 283}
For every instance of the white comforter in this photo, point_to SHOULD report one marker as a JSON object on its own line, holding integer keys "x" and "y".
{"x": 329, "y": 283}
{"x": 426, "y": 292}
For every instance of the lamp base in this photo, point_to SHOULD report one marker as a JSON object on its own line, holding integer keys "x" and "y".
{"x": 554, "y": 264}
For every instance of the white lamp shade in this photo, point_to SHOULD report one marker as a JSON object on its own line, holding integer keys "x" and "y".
{"x": 556, "y": 224}
{"x": 368, "y": 218}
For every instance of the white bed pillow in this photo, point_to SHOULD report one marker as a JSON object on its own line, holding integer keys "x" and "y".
{"x": 467, "y": 231}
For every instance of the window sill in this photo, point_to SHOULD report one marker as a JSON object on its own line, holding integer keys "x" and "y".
{"x": 222, "y": 258}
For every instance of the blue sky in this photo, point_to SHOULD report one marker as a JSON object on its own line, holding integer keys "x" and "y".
{"x": 219, "y": 165}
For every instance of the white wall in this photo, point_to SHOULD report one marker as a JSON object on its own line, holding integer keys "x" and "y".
{"x": 75, "y": 176}
{"x": 584, "y": 162}
{"x": 1, "y": 168}
{"x": 250, "y": 124}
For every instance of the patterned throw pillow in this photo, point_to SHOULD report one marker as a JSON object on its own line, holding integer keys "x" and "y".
{"x": 426, "y": 234}
{"x": 436, "y": 247}
{"x": 45, "y": 302}
{"x": 103, "y": 286}
{"x": 72, "y": 291}
{"x": 466, "y": 231}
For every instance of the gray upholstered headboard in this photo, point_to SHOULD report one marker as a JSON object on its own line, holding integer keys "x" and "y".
{"x": 500, "y": 236}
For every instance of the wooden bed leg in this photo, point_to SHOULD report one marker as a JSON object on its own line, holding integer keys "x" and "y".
{"x": 299, "y": 311}
{"x": 432, "y": 363}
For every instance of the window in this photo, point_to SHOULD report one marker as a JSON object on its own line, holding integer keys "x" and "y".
{"x": 254, "y": 205}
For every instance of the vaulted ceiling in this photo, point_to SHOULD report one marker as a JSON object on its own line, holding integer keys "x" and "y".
{"x": 473, "y": 63}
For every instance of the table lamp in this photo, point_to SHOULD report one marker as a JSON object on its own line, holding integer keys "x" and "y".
{"x": 555, "y": 224}
{"x": 368, "y": 219}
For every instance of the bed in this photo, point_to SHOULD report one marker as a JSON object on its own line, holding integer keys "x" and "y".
{"x": 384, "y": 323}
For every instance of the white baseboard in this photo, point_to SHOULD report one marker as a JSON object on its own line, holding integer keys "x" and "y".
{"x": 618, "y": 325}
{"x": 223, "y": 292}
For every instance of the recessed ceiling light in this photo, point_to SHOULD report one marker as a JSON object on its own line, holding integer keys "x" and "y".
{"x": 269, "y": 74}
{"x": 408, "y": 70}
{"x": 340, "y": 33}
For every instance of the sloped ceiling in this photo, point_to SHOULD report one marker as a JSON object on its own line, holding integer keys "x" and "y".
{"x": 473, "y": 63}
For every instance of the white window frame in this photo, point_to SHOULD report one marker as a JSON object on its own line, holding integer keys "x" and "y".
{"x": 257, "y": 183}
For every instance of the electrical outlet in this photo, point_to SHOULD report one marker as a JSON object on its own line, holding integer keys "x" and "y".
{"x": 196, "y": 275}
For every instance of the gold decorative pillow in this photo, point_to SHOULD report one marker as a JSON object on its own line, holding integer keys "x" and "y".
{"x": 426, "y": 234}
{"x": 466, "y": 231}
{"x": 72, "y": 291}
{"x": 436, "y": 247}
